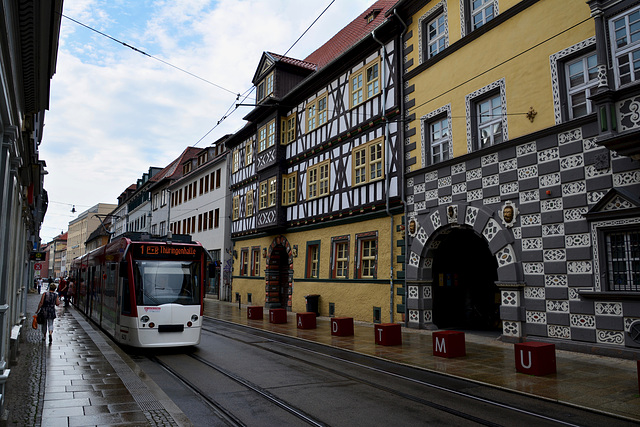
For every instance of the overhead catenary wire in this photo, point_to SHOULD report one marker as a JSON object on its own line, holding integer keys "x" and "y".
{"x": 135, "y": 49}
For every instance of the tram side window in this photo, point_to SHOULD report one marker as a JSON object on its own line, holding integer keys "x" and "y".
{"x": 126, "y": 293}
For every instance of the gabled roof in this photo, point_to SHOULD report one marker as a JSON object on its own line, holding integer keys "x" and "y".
{"x": 172, "y": 171}
{"x": 351, "y": 34}
{"x": 268, "y": 59}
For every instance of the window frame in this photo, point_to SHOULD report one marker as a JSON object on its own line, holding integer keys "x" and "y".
{"x": 365, "y": 162}
{"x": 363, "y": 242}
{"x": 244, "y": 262}
{"x": 317, "y": 112}
{"x": 629, "y": 259}
{"x": 441, "y": 38}
{"x": 487, "y": 4}
{"x": 288, "y": 129}
{"x": 290, "y": 189}
{"x": 588, "y": 87}
{"x": 255, "y": 261}
{"x": 236, "y": 161}
{"x": 361, "y": 90}
{"x": 336, "y": 245}
{"x": 249, "y": 203}
{"x": 235, "y": 215}
{"x": 264, "y": 88}
{"x": 267, "y": 136}
{"x": 316, "y": 181}
{"x": 444, "y": 143}
{"x": 312, "y": 264}
{"x": 628, "y": 50}
{"x": 248, "y": 152}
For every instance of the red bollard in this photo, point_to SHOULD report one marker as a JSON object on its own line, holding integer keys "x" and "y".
{"x": 278, "y": 315}
{"x": 388, "y": 333}
{"x": 535, "y": 358}
{"x": 306, "y": 320}
{"x": 342, "y": 326}
{"x": 254, "y": 312}
{"x": 449, "y": 344}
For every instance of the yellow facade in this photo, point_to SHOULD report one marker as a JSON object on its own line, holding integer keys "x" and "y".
{"x": 352, "y": 297}
{"x": 497, "y": 55}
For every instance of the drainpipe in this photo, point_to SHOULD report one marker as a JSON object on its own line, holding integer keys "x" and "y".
{"x": 401, "y": 138}
{"x": 387, "y": 140}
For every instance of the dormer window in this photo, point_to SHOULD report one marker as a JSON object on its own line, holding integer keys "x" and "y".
{"x": 265, "y": 88}
{"x": 372, "y": 15}
{"x": 202, "y": 159}
{"x": 186, "y": 168}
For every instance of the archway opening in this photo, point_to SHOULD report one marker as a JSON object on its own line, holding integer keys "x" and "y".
{"x": 465, "y": 295}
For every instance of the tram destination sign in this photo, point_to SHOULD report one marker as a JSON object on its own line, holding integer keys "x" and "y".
{"x": 165, "y": 251}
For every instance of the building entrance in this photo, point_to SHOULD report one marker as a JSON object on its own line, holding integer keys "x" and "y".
{"x": 277, "y": 275}
{"x": 464, "y": 292}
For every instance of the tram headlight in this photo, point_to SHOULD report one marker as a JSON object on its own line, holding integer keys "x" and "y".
{"x": 144, "y": 319}
{"x": 194, "y": 318}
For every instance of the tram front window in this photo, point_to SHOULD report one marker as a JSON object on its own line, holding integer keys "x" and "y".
{"x": 167, "y": 282}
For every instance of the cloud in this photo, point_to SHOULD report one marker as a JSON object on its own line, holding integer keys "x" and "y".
{"x": 115, "y": 112}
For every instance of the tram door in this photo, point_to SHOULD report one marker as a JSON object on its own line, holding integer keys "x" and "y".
{"x": 464, "y": 291}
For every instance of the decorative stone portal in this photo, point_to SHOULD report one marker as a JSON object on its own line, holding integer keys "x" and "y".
{"x": 461, "y": 267}
{"x": 279, "y": 274}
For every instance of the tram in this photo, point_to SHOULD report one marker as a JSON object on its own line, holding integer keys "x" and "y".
{"x": 144, "y": 292}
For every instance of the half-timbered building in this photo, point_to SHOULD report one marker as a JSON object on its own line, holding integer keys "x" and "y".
{"x": 316, "y": 177}
{"x": 522, "y": 173}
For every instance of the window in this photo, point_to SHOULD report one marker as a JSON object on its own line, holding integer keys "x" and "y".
{"x": 288, "y": 129}
{"x": 264, "y": 191}
{"x": 255, "y": 261}
{"x": 436, "y": 35}
{"x": 155, "y": 201}
{"x": 317, "y": 113}
{"x": 186, "y": 168}
{"x": 267, "y": 193}
{"x": 217, "y": 218}
{"x": 265, "y": 88}
{"x": 367, "y": 255}
{"x": 365, "y": 84}
{"x": 581, "y": 80}
{"x": 340, "y": 261}
{"x": 249, "y": 153}
{"x": 236, "y": 207}
{"x": 205, "y": 220}
{"x": 289, "y": 186}
{"x": 244, "y": 261}
{"x": 482, "y": 11}
{"x": 163, "y": 197}
{"x": 625, "y": 43}
{"x": 439, "y": 140}
{"x": 312, "y": 269}
{"x": 218, "y": 178}
{"x": 623, "y": 260}
{"x": 489, "y": 117}
{"x": 236, "y": 160}
{"x": 249, "y": 203}
{"x": 267, "y": 136}
{"x": 272, "y": 192}
{"x": 163, "y": 226}
{"x": 367, "y": 162}
{"x": 202, "y": 158}
{"x": 318, "y": 180}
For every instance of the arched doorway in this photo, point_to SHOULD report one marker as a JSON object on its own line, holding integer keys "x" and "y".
{"x": 279, "y": 274}
{"x": 464, "y": 274}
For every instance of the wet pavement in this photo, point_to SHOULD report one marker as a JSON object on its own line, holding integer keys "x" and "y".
{"x": 604, "y": 384}
{"x": 81, "y": 379}
{"x": 84, "y": 379}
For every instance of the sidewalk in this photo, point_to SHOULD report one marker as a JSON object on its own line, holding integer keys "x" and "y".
{"x": 604, "y": 384}
{"x": 81, "y": 379}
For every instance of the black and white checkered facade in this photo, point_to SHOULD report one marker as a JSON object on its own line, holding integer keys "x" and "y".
{"x": 551, "y": 268}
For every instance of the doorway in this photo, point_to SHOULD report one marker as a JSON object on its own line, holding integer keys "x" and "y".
{"x": 278, "y": 278}
{"x": 465, "y": 295}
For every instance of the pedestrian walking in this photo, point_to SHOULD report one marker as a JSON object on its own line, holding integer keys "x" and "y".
{"x": 48, "y": 303}
{"x": 62, "y": 291}
{"x": 71, "y": 293}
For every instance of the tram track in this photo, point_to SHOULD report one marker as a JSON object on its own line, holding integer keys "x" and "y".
{"x": 243, "y": 375}
{"x": 543, "y": 418}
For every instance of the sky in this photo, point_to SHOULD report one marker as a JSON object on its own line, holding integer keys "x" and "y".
{"x": 114, "y": 112}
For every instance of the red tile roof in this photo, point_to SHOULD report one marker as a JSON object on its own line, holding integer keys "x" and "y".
{"x": 293, "y": 61}
{"x": 173, "y": 170}
{"x": 351, "y": 34}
